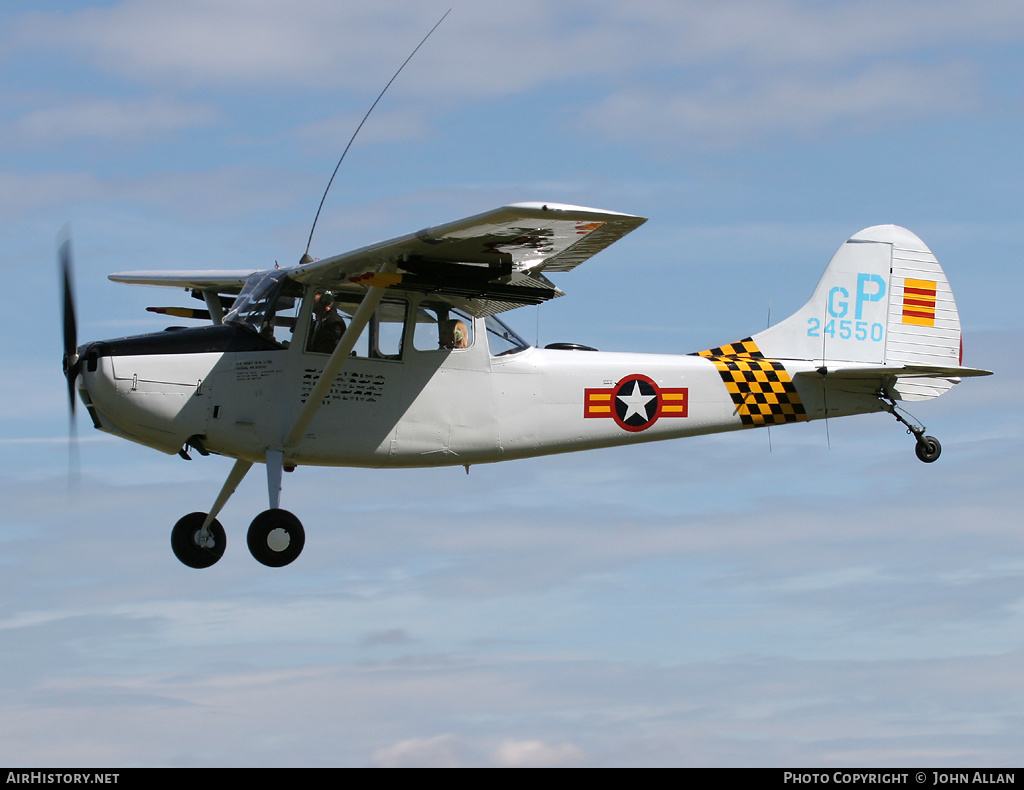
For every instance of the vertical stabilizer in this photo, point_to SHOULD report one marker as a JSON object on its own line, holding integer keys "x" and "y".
{"x": 883, "y": 300}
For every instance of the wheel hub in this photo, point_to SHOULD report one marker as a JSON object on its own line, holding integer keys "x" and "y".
{"x": 278, "y": 539}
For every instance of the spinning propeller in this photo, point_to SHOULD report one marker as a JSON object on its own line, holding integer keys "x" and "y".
{"x": 72, "y": 364}
{"x": 71, "y": 361}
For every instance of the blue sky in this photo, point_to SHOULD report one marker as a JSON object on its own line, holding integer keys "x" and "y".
{"x": 816, "y": 597}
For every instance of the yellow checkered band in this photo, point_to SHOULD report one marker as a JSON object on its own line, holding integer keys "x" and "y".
{"x": 742, "y": 348}
{"x": 761, "y": 388}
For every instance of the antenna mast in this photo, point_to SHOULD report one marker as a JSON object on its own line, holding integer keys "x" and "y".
{"x": 306, "y": 257}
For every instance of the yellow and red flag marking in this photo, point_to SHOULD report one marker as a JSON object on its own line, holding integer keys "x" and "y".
{"x": 636, "y": 402}
{"x": 919, "y": 302}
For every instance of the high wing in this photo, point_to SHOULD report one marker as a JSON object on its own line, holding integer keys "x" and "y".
{"x": 218, "y": 280}
{"x": 215, "y": 287}
{"x": 484, "y": 264}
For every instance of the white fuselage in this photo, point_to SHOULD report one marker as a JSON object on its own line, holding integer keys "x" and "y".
{"x": 428, "y": 408}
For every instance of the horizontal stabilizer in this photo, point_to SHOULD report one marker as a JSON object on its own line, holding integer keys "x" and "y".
{"x": 898, "y": 371}
{"x": 181, "y": 312}
{"x": 902, "y": 382}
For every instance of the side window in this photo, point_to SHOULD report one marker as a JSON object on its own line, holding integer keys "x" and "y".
{"x": 332, "y": 313}
{"x": 287, "y": 313}
{"x": 439, "y": 326}
{"x": 387, "y": 328}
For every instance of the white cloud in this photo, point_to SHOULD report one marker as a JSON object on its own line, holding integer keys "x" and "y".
{"x": 497, "y": 46}
{"x": 233, "y": 41}
{"x": 707, "y": 73}
{"x": 703, "y": 75}
{"x": 730, "y": 112}
{"x": 329, "y": 135}
{"x": 782, "y": 33}
{"x": 441, "y": 751}
{"x": 537, "y": 754}
{"x": 121, "y": 120}
{"x": 204, "y": 195}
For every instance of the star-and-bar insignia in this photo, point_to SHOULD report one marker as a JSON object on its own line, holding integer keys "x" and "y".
{"x": 635, "y": 402}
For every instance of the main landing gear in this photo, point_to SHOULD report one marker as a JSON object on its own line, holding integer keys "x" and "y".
{"x": 928, "y": 448}
{"x": 275, "y": 538}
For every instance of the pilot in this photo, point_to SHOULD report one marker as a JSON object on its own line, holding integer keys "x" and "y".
{"x": 322, "y": 302}
{"x": 328, "y": 325}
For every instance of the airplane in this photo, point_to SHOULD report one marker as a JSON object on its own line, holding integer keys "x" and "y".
{"x": 394, "y": 355}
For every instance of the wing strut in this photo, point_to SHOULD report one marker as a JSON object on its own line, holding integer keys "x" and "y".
{"x": 374, "y": 295}
{"x": 214, "y": 304}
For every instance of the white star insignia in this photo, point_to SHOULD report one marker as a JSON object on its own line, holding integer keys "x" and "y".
{"x": 636, "y": 403}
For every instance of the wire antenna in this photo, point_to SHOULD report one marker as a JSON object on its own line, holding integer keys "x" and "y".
{"x": 309, "y": 242}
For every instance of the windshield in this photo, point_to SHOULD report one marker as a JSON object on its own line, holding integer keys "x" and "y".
{"x": 264, "y": 295}
{"x": 501, "y": 339}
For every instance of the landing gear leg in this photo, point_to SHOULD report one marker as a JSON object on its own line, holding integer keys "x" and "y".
{"x": 928, "y": 448}
{"x": 198, "y": 539}
{"x": 276, "y": 537}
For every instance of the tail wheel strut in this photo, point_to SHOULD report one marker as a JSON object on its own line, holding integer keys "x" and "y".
{"x": 928, "y": 448}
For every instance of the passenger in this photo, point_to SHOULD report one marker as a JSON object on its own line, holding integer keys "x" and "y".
{"x": 453, "y": 334}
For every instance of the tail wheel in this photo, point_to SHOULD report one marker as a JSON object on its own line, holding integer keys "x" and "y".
{"x": 276, "y": 537}
{"x": 191, "y": 547}
{"x": 928, "y": 449}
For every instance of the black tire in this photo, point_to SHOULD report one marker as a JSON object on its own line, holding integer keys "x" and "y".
{"x": 928, "y": 449}
{"x": 185, "y": 547}
{"x": 276, "y": 538}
